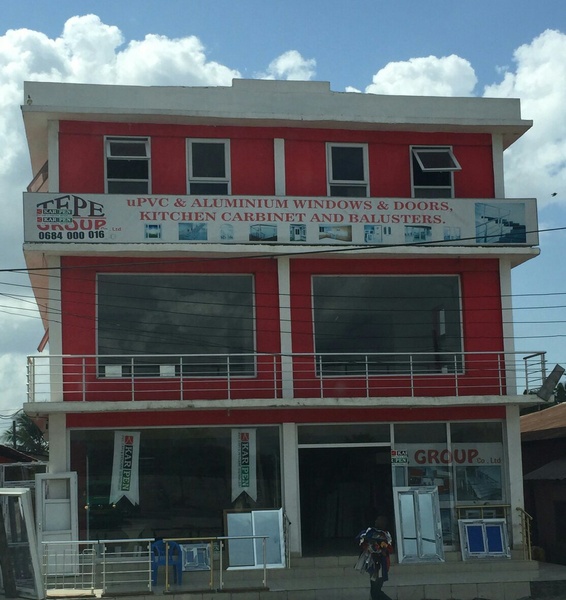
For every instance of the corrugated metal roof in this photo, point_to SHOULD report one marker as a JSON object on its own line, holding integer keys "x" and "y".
{"x": 544, "y": 424}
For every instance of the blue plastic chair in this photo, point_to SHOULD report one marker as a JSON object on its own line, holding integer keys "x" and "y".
{"x": 163, "y": 556}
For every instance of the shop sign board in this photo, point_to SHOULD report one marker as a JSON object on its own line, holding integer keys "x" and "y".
{"x": 244, "y": 477}
{"x": 399, "y": 457}
{"x": 457, "y": 455}
{"x": 124, "y": 219}
{"x": 125, "y": 467}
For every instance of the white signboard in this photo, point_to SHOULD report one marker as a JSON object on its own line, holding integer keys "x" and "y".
{"x": 125, "y": 468}
{"x": 96, "y": 218}
{"x": 244, "y": 478}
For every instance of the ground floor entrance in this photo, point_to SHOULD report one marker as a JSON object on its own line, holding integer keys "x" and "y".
{"x": 343, "y": 490}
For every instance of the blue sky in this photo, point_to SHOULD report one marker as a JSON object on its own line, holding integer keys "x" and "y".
{"x": 506, "y": 48}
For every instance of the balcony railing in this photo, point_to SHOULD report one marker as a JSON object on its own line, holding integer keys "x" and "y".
{"x": 281, "y": 376}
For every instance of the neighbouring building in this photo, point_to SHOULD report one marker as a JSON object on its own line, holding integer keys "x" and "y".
{"x": 275, "y": 296}
{"x": 543, "y": 436}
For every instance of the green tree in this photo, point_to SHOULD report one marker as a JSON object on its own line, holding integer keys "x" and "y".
{"x": 28, "y": 436}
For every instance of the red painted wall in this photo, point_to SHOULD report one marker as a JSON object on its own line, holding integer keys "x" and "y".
{"x": 276, "y": 416}
{"x": 479, "y": 280}
{"x": 252, "y": 162}
{"x": 78, "y": 294}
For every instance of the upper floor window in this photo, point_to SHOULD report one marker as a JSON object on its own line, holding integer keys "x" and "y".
{"x": 157, "y": 318}
{"x": 387, "y": 324}
{"x": 347, "y": 170}
{"x": 432, "y": 168}
{"x": 209, "y": 166}
{"x": 127, "y": 165}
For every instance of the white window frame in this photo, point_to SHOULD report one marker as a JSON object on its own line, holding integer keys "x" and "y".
{"x": 332, "y": 182}
{"x": 108, "y": 157}
{"x": 212, "y": 180}
{"x": 419, "y": 153}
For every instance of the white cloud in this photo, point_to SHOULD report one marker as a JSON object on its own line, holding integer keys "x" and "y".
{"x": 13, "y": 378}
{"x": 87, "y": 51}
{"x": 90, "y": 51}
{"x": 426, "y": 76}
{"x": 536, "y": 164}
{"x": 291, "y": 66}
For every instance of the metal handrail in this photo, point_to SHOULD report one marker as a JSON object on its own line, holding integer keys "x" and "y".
{"x": 96, "y": 564}
{"x": 526, "y": 521}
{"x": 265, "y": 375}
{"x": 210, "y": 541}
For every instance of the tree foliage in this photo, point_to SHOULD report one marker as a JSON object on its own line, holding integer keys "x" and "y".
{"x": 28, "y": 436}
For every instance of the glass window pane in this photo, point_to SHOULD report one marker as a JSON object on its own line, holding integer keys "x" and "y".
{"x": 415, "y": 433}
{"x": 127, "y": 169}
{"x": 427, "y": 521}
{"x": 343, "y": 434}
{"x": 471, "y": 432}
{"x": 208, "y": 159}
{"x": 128, "y": 187}
{"x": 494, "y": 537}
{"x": 173, "y": 464}
{"x": 440, "y": 159}
{"x": 433, "y": 192}
{"x": 408, "y": 524}
{"x": 241, "y": 552}
{"x": 430, "y": 178}
{"x": 127, "y": 148}
{"x": 177, "y": 314}
{"x": 348, "y": 191}
{"x": 347, "y": 163}
{"x": 209, "y": 188}
{"x": 479, "y": 483}
{"x": 387, "y": 318}
{"x": 476, "y": 542}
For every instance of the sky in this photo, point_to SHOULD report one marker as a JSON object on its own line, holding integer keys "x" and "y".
{"x": 506, "y": 48}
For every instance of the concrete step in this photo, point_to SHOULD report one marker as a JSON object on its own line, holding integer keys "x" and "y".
{"x": 334, "y": 578}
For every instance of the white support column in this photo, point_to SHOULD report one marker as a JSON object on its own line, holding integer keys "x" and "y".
{"x": 279, "y": 159}
{"x": 515, "y": 474}
{"x": 53, "y": 153}
{"x": 513, "y": 370}
{"x": 285, "y": 326}
{"x": 291, "y": 498}
{"x": 55, "y": 334}
{"x": 497, "y": 156}
{"x": 58, "y": 456}
{"x": 283, "y": 265}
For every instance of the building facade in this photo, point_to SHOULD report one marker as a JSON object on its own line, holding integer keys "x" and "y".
{"x": 276, "y": 296}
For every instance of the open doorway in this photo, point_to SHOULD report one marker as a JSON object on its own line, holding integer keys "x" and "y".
{"x": 343, "y": 490}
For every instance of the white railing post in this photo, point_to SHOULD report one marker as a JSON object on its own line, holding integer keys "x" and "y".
{"x": 367, "y": 375}
{"x": 456, "y": 375}
{"x": 103, "y": 567}
{"x": 83, "y": 362}
{"x": 412, "y": 375}
{"x": 31, "y": 379}
{"x": 320, "y": 374}
{"x": 132, "y": 379}
{"x": 264, "y": 561}
{"x": 181, "y": 380}
{"x": 220, "y": 566}
{"x": 228, "y": 381}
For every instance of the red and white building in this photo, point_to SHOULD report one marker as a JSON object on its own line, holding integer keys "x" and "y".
{"x": 272, "y": 295}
